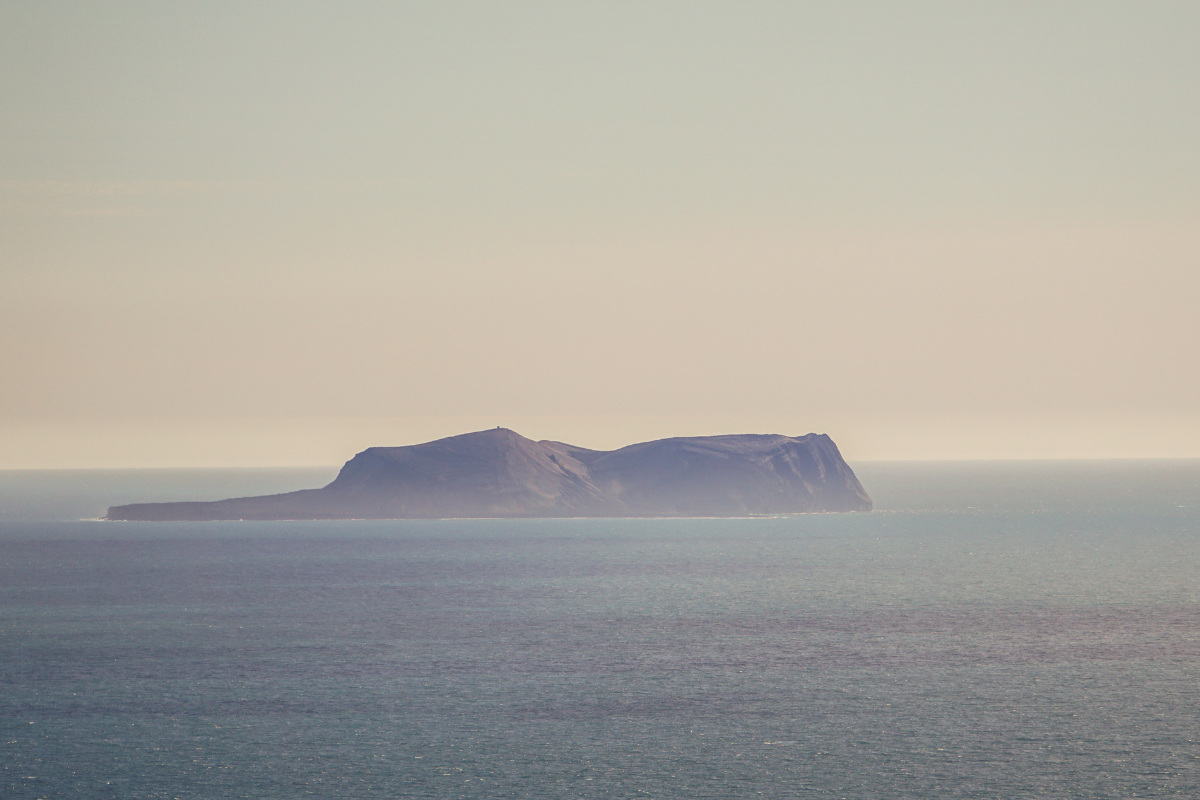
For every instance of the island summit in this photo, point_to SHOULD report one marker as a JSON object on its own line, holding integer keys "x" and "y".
{"x": 499, "y": 473}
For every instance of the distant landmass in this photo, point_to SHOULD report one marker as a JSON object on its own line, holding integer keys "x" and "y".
{"x": 499, "y": 473}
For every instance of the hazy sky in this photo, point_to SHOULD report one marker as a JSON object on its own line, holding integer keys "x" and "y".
{"x": 258, "y": 233}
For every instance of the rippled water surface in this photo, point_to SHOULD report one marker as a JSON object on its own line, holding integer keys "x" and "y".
{"x": 994, "y": 630}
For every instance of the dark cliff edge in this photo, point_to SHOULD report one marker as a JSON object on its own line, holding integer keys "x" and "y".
{"x": 499, "y": 473}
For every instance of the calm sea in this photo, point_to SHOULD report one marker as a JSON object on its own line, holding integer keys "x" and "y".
{"x": 993, "y": 630}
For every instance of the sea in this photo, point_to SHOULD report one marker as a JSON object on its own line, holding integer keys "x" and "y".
{"x": 991, "y": 630}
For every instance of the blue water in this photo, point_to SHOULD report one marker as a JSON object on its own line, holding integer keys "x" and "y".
{"x": 994, "y": 630}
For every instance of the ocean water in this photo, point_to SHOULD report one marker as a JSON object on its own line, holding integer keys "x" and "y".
{"x": 992, "y": 631}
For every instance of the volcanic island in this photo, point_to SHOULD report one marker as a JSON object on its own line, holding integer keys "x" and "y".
{"x": 499, "y": 473}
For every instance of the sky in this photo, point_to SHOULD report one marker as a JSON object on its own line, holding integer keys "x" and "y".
{"x": 277, "y": 233}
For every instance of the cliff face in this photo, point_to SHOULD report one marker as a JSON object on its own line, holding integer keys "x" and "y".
{"x": 498, "y": 473}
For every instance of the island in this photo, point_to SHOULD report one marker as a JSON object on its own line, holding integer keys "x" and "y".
{"x": 499, "y": 473}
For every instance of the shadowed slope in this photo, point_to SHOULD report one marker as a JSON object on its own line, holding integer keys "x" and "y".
{"x": 498, "y": 473}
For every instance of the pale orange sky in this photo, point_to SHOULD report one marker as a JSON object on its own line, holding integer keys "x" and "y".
{"x": 279, "y": 233}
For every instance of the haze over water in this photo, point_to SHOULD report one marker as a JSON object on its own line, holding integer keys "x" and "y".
{"x": 275, "y": 234}
{"x": 278, "y": 233}
{"x": 994, "y": 630}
